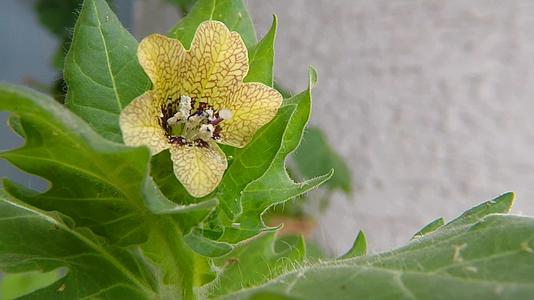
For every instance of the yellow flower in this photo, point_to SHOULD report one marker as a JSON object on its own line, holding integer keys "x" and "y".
{"x": 198, "y": 99}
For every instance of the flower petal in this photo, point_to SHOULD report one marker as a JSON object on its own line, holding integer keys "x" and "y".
{"x": 163, "y": 60}
{"x": 217, "y": 63}
{"x": 253, "y": 105}
{"x": 199, "y": 169}
{"x": 139, "y": 122}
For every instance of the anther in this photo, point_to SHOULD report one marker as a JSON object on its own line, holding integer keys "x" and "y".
{"x": 209, "y": 113}
{"x": 178, "y": 140}
{"x": 185, "y": 106}
{"x": 201, "y": 143}
{"x": 207, "y": 128}
{"x": 174, "y": 119}
{"x": 225, "y": 114}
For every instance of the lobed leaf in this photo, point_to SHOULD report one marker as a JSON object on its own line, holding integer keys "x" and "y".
{"x": 96, "y": 182}
{"x": 257, "y": 178}
{"x": 99, "y": 184}
{"x": 483, "y": 256}
{"x": 114, "y": 272}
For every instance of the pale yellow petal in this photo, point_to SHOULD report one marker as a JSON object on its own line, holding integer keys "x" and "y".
{"x": 199, "y": 169}
{"x": 163, "y": 60}
{"x": 139, "y": 124}
{"x": 217, "y": 63}
{"x": 253, "y": 105}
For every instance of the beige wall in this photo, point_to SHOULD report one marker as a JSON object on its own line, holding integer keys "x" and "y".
{"x": 430, "y": 102}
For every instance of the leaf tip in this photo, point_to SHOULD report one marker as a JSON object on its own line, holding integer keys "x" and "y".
{"x": 312, "y": 77}
{"x": 507, "y": 198}
{"x": 359, "y": 247}
{"x": 430, "y": 227}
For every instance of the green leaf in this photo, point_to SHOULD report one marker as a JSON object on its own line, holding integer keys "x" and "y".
{"x": 246, "y": 165}
{"x": 256, "y": 261}
{"x": 159, "y": 204}
{"x": 481, "y": 255}
{"x": 206, "y": 246}
{"x": 500, "y": 205}
{"x": 233, "y": 13}
{"x": 94, "y": 181}
{"x": 16, "y": 285}
{"x": 33, "y": 239}
{"x": 257, "y": 178}
{"x": 101, "y": 69}
{"x": 261, "y": 58}
{"x": 315, "y": 157}
{"x": 359, "y": 247}
{"x": 432, "y": 226}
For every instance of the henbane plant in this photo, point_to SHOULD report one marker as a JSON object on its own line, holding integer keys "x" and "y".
{"x": 166, "y": 155}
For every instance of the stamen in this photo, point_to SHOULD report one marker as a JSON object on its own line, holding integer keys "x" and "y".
{"x": 225, "y": 114}
{"x": 201, "y": 143}
{"x": 207, "y": 129}
{"x": 185, "y": 106}
{"x": 178, "y": 140}
{"x": 193, "y": 123}
{"x": 209, "y": 113}
{"x": 174, "y": 119}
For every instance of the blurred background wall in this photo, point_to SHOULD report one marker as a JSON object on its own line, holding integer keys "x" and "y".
{"x": 430, "y": 102}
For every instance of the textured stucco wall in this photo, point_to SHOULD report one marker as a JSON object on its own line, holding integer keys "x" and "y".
{"x": 430, "y": 102}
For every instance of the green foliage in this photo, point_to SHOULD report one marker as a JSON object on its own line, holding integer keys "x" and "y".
{"x": 481, "y": 255}
{"x": 359, "y": 247}
{"x": 96, "y": 182}
{"x": 115, "y": 273}
{"x": 233, "y": 13}
{"x": 59, "y": 17}
{"x": 432, "y": 226}
{"x": 101, "y": 69}
{"x": 261, "y": 58}
{"x": 274, "y": 185}
{"x": 257, "y": 261}
{"x": 116, "y": 224}
{"x": 15, "y": 285}
{"x": 118, "y": 209}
